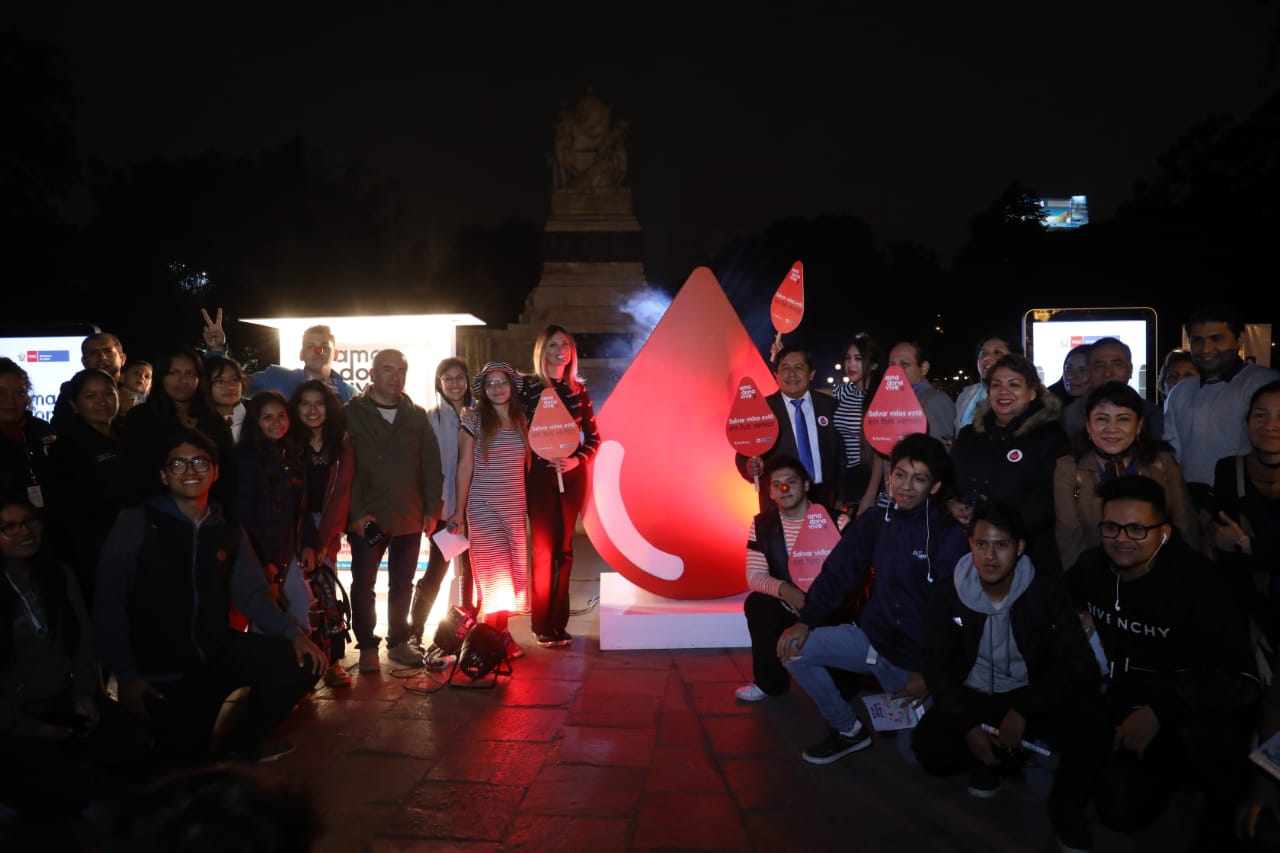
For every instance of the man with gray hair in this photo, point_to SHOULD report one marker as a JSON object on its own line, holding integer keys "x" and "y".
{"x": 396, "y": 496}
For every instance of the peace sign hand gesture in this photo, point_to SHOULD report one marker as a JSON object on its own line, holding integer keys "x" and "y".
{"x": 214, "y": 336}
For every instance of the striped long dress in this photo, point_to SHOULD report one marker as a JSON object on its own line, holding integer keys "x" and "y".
{"x": 496, "y": 521}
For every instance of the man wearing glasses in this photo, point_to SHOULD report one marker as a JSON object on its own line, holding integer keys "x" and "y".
{"x": 318, "y": 346}
{"x": 168, "y": 574}
{"x": 1180, "y": 684}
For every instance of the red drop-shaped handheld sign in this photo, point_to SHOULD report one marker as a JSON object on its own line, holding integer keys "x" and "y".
{"x": 552, "y": 432}
{"x": 752, "y": 427}
{"x": 817, "y": 536}
{"x": 894, "y": 412}
{"x": 788, "y": 302}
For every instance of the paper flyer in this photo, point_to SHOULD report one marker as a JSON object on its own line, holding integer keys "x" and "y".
{"x": 889, "y": 714}
{"x": 450, "y": 544}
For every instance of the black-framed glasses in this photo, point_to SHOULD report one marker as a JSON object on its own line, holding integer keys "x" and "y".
{"x": 181, "y": 464}
{"x": 13, "y": 528}
{"x": 1136, "y": 532}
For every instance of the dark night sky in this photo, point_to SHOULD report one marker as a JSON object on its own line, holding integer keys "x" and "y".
{"x": 911, "y": 116}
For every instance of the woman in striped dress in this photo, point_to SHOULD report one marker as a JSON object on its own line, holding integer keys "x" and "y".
{"x": 493, "y": 453}
{"x": 863, "y": 467}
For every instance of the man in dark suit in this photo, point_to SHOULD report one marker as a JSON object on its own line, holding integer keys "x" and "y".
{"x": 806, "y": 430}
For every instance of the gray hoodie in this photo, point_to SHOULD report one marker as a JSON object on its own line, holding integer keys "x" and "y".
{"x": 999, "y": 667}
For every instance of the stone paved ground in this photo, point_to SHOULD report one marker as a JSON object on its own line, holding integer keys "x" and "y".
{"x": 584, "y": 750}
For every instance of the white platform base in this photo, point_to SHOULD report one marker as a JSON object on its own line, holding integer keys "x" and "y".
{"x": 631, "y": 618}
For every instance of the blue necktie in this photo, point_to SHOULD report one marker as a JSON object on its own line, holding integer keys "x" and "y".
{"x": 802, "y": 438}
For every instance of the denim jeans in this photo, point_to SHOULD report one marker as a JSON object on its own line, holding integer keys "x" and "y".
{"x": 842, "y": 647}
{"x": 402, "y": 562}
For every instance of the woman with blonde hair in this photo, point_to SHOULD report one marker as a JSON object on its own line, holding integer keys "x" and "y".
{"x": 553, "y": 511}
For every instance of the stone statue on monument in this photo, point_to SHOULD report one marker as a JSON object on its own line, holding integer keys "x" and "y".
{"x": 589, "y": 147}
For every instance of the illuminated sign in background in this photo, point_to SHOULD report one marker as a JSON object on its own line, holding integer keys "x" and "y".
{"x": 1070, "y": 212}
{"x": 49, "y": 361}
{"x": 425, "y": 340}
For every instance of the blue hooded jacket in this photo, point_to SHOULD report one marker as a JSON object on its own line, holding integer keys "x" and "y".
{"x": 911, "y": 550}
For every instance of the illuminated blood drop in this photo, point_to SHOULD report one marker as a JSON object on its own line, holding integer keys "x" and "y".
{"x": 667, "y": 508}
{"x": 894, "y": 412}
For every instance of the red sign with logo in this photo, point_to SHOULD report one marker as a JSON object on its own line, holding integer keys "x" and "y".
{"x": 894, "y": 412}
{"x": 752, "y": 427}
{"x": 818, "y": 536}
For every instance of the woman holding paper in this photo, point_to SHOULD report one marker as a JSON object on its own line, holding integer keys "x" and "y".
{"x": 493, "y": 454}
{"x": 325, "y": 454}
{"x": 453, "y": 387}
{"x": 553, "y": 510}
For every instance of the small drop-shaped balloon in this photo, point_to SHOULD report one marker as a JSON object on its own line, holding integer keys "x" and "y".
{"x": 894, "y": 412}
{"x": 787, "y": 308}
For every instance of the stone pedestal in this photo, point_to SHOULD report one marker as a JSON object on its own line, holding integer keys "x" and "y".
{"x": 592, "y": 264}
{"x": 631, "y": 618}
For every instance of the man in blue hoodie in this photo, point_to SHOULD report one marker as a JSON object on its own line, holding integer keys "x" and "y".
{"x": 912, "y": 544}
{"x": 168, "y": 574}
{"x": 1006, "y": 660}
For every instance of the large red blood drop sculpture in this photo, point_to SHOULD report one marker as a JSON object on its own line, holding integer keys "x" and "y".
{"x": 667, "y": 509}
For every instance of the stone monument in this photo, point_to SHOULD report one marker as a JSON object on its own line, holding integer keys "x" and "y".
{"x": 592, "y": 257}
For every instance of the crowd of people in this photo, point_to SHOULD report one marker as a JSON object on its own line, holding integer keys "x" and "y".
{"x": 1071, "y": 565}
{"x": 166, "y": 545}
{"x": 1069, "y": 568}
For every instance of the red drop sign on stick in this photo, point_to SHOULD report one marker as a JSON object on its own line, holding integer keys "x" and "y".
{"x": 788, "y": 302}
{"x": 787, "y": 308}
{"x": 817, "y": 536}
{"x": 894, "y": 412}
{"x": 553, "y": 434}
{"x": 752, "y": 428}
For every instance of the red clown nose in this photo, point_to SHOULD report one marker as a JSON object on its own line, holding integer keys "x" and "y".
{"x": 785, "y": 488}
{"x": 319, "y": 350}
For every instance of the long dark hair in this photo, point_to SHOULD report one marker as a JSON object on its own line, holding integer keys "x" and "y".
{"x": 444, "y": 367}
{"x": 335, "y": 416}
{"x": 50, "y": 578}
{"x": 872, "y": 359}
{"x": 77, "y": 382}
{"x": 200, "y": 406}
{"x": 278, "y": 460}
{"x": 214, "y": 367}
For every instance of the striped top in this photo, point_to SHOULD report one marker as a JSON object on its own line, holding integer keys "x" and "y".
{"x": 758, "y": 577}
{"x": 851, "y": 401}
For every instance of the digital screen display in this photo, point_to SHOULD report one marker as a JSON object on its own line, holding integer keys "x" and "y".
{"x": 1070, "y": 212}
{"x": 49, "y": 360}
{"x": 1047, "y": 341}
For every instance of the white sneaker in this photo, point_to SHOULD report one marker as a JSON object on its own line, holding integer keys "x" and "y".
{"x": 405, "y": 654}
{"x": 750, "y": 693}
